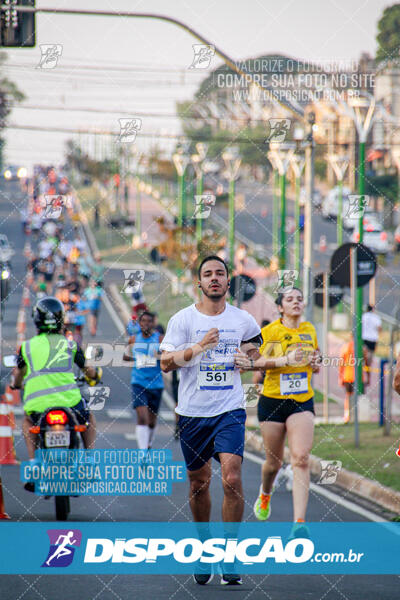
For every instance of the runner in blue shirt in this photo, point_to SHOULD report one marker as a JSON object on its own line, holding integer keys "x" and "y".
{"x": 147, "y": 382}
{"x": 93, "y": 295}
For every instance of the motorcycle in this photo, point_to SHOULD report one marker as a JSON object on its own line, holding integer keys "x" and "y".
{"x": 58, "y": 428}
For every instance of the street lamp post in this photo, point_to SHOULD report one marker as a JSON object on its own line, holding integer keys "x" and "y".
{"x": 297, "y": 163}
{"x": 280, "y": 155}
{"x": 181, "y": 161}
{"x": 232, "y": 165}
{"x": 308, "y": 283}
{"x": 339, "y": 164}
{"x": 198, "y": 162}
{"x": 275, "y": 211}
{"x": 363, "y": 124}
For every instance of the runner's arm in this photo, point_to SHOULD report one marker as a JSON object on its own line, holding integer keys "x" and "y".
{"x": 79, "y": 360}
{"x": 263, "y": 363}
{"x": 251, "y": 346}
{"x": 177, "y": 359}
{"x": 19, "y": 372}
{"x": 129, "y": 357}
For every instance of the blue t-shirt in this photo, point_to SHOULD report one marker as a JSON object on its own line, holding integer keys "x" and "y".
{"x": 93, "y": 297}
{"x": 146, "y": 370}
{"x": 80, "y": 306}
{"x": 132, "y": 328}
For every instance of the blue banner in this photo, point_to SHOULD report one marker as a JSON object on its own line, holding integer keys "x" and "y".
{"x": 62, "y": 472}
{"x": 174, "y": 548}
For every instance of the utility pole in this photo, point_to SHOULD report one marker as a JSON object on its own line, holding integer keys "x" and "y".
{"x": 308, "y": 226}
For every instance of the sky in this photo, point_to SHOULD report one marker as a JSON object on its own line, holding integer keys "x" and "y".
{"x": 127, "y": 67}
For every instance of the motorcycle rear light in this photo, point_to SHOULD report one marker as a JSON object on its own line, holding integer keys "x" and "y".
{"x": 57, "y": 417}
{"x": 383, "y": 235}
{"x": 80, "y": 428}
{"x": 34, "y": 429}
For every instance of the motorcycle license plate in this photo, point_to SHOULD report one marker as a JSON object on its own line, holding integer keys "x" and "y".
{"x": 56, "y": 439}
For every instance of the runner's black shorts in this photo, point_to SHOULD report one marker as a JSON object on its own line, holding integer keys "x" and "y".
{"x": 370, "y": 345}
{"x": 278, "y": 409}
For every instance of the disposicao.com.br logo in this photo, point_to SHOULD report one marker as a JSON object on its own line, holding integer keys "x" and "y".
{"x": 62, "y": 547}
{"x": 191, "y": 550}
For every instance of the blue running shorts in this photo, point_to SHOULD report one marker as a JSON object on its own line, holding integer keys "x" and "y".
{"x": 205, "y": 437}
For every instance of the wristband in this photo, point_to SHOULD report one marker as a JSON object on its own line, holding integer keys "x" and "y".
{"x": 282, "y": 361}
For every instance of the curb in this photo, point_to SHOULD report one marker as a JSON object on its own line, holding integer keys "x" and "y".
{"x": 347, "y": 480}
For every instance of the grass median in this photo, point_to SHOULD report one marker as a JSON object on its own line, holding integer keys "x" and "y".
{"x": 375, "y": 458}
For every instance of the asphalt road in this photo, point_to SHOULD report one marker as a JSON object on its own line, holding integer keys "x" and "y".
{"x": 118, "y": 432}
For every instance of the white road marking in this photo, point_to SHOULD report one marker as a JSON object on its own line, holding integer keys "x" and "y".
{"x": 113, "y": 314}
{"x": 319, "y": 489}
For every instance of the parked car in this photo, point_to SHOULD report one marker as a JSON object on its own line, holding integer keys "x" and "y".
{"x": 374, "y": 237}
{"x": 330, "y": 205}
{"x": 370, "y": 219}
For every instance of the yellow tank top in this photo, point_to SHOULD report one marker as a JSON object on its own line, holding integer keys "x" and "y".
{"x": 288, "y": 382}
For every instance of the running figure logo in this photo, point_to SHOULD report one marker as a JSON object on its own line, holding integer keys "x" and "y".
{"x": 62, "y": 547}
{"x": 128, "y": 129}
{"x": 330, "y": 469}
{"x": 252, "y": 393}
{"x": 203, "y": 54}
{"x": 98, "y": 397}
{"x": 203, "y": 204}
{"x": 54, "y": 205}
{"x": 357, "y": 206}
{"x": 286, "y": 280}
{"x": 279, "y": 128}
{"x": 133, "y": 280}
{"x": 50, "y": 55}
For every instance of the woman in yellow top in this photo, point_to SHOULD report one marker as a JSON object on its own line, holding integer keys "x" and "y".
{"x": 289, "y": 355}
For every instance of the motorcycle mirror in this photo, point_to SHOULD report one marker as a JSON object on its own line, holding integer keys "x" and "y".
{"x": 10, "y": 360}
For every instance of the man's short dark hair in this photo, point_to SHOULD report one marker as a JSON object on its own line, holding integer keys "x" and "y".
{"x": 213, "y": 257}
{"x": 144, "y": 313}
{"x": 370, "y": 307}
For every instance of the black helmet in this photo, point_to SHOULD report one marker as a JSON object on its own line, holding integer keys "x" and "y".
{"x": 48, "y": 314}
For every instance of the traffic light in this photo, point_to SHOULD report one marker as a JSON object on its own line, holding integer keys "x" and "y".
{"x": 17, "y": 29}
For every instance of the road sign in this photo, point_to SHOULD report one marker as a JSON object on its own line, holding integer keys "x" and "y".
{"x": 335, "y": 291}
{"x": 340, "y": 265}
{"x": 243, "y": 287}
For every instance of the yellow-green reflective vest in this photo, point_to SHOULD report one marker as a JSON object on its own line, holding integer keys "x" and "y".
{"x": 49, "y": 379}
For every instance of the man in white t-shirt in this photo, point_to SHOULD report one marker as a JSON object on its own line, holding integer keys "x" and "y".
{"x": 371, "y": 328}
{"x": 201, "y": 340}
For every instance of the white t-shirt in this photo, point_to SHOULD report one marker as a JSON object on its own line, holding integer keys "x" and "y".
{"x": 211, "y": 385}
{"x": 370, "y": 326}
